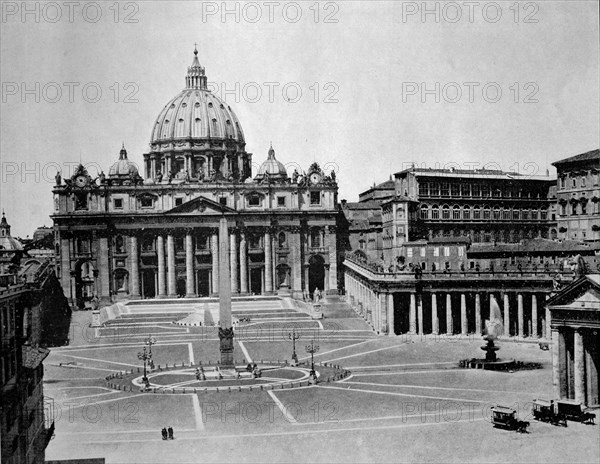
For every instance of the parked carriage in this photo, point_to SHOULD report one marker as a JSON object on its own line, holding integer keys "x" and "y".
{"x": 506, "y": 418}
{"x": 573, "y": 410}
{"x": 545, "y": 411}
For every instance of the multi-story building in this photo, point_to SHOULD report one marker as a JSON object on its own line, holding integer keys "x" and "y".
{"x": 122, "y": 237}
{"x": 24, "y": 429}
{"x": 578, "y": 192}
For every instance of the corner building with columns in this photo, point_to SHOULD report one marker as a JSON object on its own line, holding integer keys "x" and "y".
{"x": 123, "y": 236}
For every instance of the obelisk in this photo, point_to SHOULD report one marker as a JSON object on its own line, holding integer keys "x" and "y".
{"x": 225, "y": 328}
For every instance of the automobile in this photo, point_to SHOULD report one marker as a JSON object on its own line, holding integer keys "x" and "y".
{"x": 506, "y": 418}
{"x": 574, "y": 410}
{"x": 545, "y": 411}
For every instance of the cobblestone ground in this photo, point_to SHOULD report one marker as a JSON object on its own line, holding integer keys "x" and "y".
{"x": 406, "y": 400}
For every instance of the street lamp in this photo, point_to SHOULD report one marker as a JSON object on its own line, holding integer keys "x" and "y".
{"x": 150, "y": 341}
{"x": 312, "y": 349}
{"x": 293, "y": 336}
{"x": 144, "y": 356}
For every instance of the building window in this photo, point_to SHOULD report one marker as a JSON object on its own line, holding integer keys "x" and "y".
{"x": 436, "y": 251}
{"x": 409, "y": 253}
{"x": 583, "y": 181}
{"x": 562, "y": 182}
{"x": 254, "y": 200}
{"x": 148, "y": 244}
{"x": 178, "y": 201}
{"x": 461, "y": 251}
{"x": 424, "y": 212}
{"x": 525, "y": 215}
{"x": 583, "y": 208}
{"x": 466, "y": 212}
{"x": 534, "y": 214}
{"x": 223, "y": 201}
{"x": 281, "y": 240}
{"x": 146, "y": 202}
{"x": 362, "y": 244}
{"x": 465, "y": 190}
{"x": 486, "y": 212}
{"x": 573, "y": 182}
{"x": 315, "y": 238}
{"x": 445, "y": 212}
{"x": 573, "y": 209}
{"x": 315, "y": 198}
{"x": 423, "y": 189}
{"x": 281, "y": 201}
{"x": 423, "y": 251}
{"x": 435, "y": 212}
{"x": 446, "y": 251}
{"x": 516, "y": 214}
{"x": 119, "y": 244}
{"x": 456, "y": 212}
{"x": 475, "y": 190}
{"x": 118, "y": 203}
{"x": 485, "y": 190}
{"x": 455, "y": 190}
{"x": 506, "y": 214}
{"x": 445, "y": 189}
{"x": 496, "y": 212}
{"x": 81, "y": 201}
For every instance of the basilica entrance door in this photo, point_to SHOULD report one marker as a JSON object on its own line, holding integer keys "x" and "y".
{"x": 256, "y": 281}
{"x": 316, "y": 273}
{"x": 148, "y": 285}
{"x": 203, "y": 280}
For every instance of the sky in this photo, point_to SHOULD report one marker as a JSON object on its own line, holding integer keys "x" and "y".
{"x": 366, "y": 88}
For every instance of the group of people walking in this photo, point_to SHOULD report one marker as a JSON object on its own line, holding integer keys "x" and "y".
{"x": 167, "y": 433}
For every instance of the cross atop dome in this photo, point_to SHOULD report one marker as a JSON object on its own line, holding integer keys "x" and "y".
{"x": 196, "y": 78}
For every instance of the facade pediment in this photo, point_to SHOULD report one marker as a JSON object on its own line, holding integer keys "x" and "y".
{"x": 201, "y": 205}
{"x": 583, "y": 294}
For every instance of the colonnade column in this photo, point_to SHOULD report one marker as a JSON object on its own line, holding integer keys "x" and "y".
{"x": 160, "y": 249}
{"x": 171, "y": 282}
{"x": 557, "y": 366}
{"x": 243, "y": 265}
{"x": 383, "y": 312}
{"x": 548, "y": 321}
{"x": 268, "y": 264}
{"x": 412, "y": 315}
{"x": 435, "y": 323}
{"x": 506, "y": 315}
{"x": 135, "y": 268}
{"x": 390, "y": 316}
{"x": 214, "y": 250}
{"x": 534, "y": 316}
{"x": 233, "y": 255}
{"x": 449, "y": 329}
{"x": 520, "y": 315}
{"x": 579, "y": 366}
{"x": 190, "y": 281}
{"x": 477, "y": 314}
{"x": 463, "y": 314}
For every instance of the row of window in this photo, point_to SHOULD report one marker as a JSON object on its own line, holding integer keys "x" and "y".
{"x": 422, "y": 251}
{"x": 485, "y": 212}
{"x": 489, "y": 236}
{"x": 580, "y": 208}
{"x": 466, "y": 189}
{"x": 578, "y": 181}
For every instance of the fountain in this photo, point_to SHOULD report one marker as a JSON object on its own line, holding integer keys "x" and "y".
{"x": 493, "y": 329}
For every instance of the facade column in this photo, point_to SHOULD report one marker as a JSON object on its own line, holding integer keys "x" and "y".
{"x": 233, "y": 259}
{"x": 579, "y": 366}
{"x": 171, "y": 277}
{"x": 160, "y": 250}
{"x": 331, "y": 281}
{"x": 548, "y": 321}
{"x": 534, "y": 316}
{"x": 390, "y": 317}
{"x": 135, "y": 268}
{"x": 477, "y": 314}
{"x": 420, "y": 313}
{"x": 449, "y": 328}
{"x": 214, "y": 251}
{"x": 520, "y": 315}
{"x": 506, "y": 315}
{"x": 558, "y": 364}
{"x": 190, "y": 281}
{"x": 268, "y": 284}
{"x": 463, "y": 314}
{"x": 104, "y": 272}
{"x": 243, "y": 265}
{"x": 412, "y": 315}
{"x": 435, "y": 323}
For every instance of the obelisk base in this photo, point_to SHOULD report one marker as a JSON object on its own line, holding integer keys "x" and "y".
{"x": 226, "y": 346}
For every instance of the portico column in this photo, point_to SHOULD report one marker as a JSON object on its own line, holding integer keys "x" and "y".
{"x": 435, "y": 323}
{"x": 243, "y": 265}
{"x": 160, "y": 249}
{"x": 463, "y": 314}
{"x": 506, "y": 315}
{"x": 135, "y": 268}
{"x": 214, "y": 250}
{"x": 558, "y": 363}
{"x": 579, "y": 366}
{"x": 268, "y": 264}
{"x": 548, "y": 320}
{"x": 534, "y": 316}
{"x": 477, "y": 314}
{"x": 449, "y": 328}
{"x": 412, "y": 314}
{"x": 420, "y": 313}
{"x": 233, "y": 253}
{"x": 171, "y": 283}
{"x": 190, "y": 285}
{"x": 390, "y": 310}
{"x": 520, "y": 315}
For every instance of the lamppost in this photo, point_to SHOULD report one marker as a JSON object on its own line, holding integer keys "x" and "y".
{"x": 312, "y": 349}
{"x": 144, "y": 356}
{"x": 150, "y": 341}
{"x": 293, "y": 336}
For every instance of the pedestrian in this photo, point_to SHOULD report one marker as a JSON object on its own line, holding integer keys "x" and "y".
{"x": 170, "y": 430}
{"x": 164, "y": 433}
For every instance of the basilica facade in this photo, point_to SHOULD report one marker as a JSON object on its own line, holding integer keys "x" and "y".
{"x": 123, "y": 236}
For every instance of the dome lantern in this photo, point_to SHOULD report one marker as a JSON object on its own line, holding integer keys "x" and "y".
{"x": 196, "y": 76}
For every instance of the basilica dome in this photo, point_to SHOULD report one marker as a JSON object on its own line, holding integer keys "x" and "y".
{"x": 272, "y": 168}
{"x": 123, "y": 167}
{"x": 196, "y": 113}
{"x": 7, "y": 243}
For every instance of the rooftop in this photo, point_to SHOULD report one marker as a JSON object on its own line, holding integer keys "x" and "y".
{"x": 474, "y": 174}
{"x": 588, "y": 156}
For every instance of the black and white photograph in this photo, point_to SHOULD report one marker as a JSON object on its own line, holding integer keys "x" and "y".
{"x": 301, "y": 231}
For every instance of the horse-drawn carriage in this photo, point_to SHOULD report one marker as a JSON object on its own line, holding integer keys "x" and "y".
{"x": 574, "y": 411}
{"x": 506, "y": 418}
{"x": 545, "y": 411}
